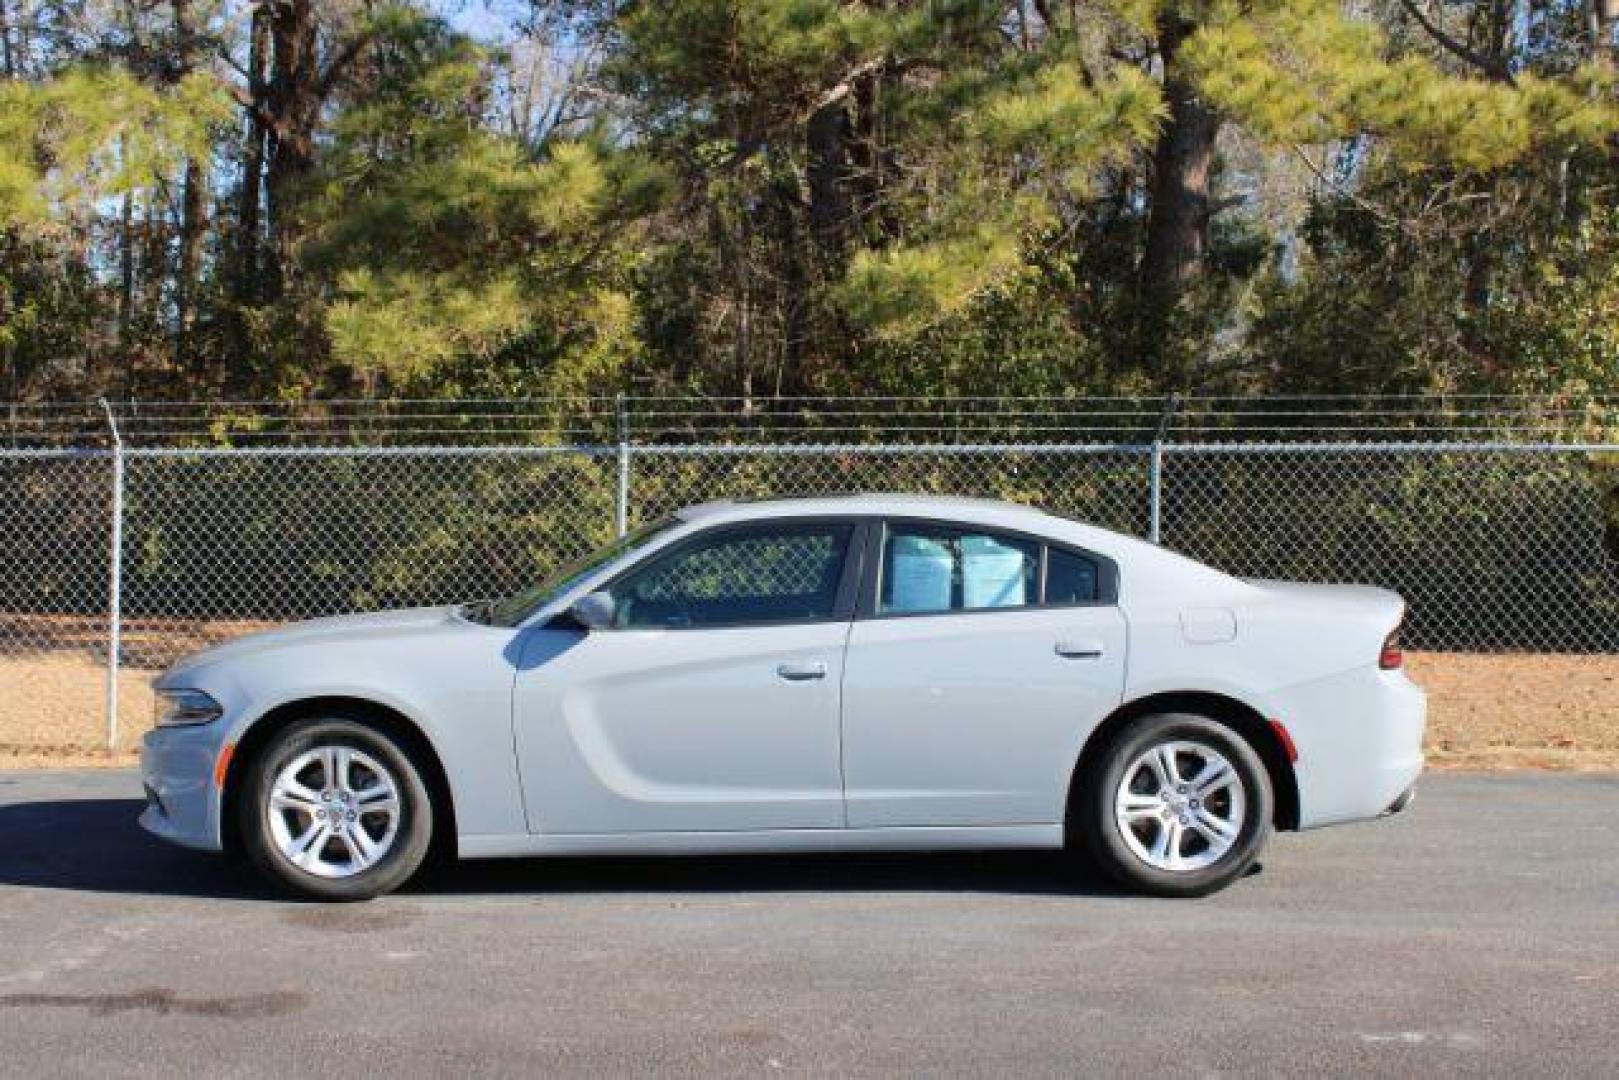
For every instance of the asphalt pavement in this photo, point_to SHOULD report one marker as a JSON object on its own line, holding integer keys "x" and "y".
{"x": 1476, "y": 933}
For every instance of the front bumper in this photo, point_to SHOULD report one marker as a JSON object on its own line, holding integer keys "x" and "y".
{"x": 177, "y": 770}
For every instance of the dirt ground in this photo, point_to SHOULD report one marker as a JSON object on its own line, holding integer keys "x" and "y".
{"x": 53, "y": 712}
{"x": 1486, "y": 711}
{"x": 1518, "y": 711}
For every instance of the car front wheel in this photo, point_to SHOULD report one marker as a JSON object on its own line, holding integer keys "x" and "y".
{"x": 1176, "y": 805}
{"x": 335, "y": 810}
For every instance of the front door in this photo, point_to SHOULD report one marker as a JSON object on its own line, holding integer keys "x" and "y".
{"x": 712, "y": 704}
{"x": 971, "y": 684}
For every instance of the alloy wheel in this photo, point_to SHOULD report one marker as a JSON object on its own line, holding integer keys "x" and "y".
{"x": 333, "y": 811}
{"x": 1180, "y": 806}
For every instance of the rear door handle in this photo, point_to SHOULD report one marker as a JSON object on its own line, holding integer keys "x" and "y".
{"x": 1084, "y": 649}
{"x": 802, "y": 672}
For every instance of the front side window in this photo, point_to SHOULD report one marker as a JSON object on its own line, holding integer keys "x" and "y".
{"x": 930, "y": 569}
{"x": 785, "y": 574}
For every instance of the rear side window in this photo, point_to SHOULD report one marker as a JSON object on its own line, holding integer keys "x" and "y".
{"x": 787, "y": 574}
{"x": 929, "y": 569}
{"x": 1070, "y": 579}
{"x": 937, "y": 569}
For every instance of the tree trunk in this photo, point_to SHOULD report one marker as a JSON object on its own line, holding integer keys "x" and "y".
{"x": 126, "y": 268}
{"x": 8, "y": 63}
{"x": 795, "y": 286}
{"x": 1600, "y": 17}
{"x": 193, "y": 205}
{"x": 872, "y": 162}
{"x": 1178, "y": 220}
{"x": 287, "y": 90}
{"x": 744, "y": 327}
{"x": 193, "y": 229}
{"x": 294, "y": 100}
{"x": 153, "y": 267}
{"x": 251, "y": 195}
{"x": 22, "y": 42}
{"x": 830, "y": 209}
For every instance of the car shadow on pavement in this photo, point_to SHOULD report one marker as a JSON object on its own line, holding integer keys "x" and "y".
{"x": 94, "y": 845}
{"x": 1040, "y": 873}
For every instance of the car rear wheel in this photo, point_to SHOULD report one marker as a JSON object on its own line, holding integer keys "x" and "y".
{"x": 335, "y": 810}
{"x": 1175, "y": 805}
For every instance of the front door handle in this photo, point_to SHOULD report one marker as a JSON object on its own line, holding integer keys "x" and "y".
{"x": 1086, "y": 649}
{"x": 802, "y": 672}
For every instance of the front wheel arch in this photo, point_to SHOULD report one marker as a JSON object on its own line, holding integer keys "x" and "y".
{"x": 387, "y": 721}
{"x": 1240, "y": 717}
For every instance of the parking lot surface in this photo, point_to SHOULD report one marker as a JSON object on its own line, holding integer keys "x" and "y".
{"x": 1476, "y": 933}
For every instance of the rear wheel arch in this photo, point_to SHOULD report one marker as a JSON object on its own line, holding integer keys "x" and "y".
{"x": 1242, "y": 718}
{"x": 381, "y": 718}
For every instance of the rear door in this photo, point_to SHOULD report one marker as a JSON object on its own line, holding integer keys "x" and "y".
{"x": 978, "y": 663}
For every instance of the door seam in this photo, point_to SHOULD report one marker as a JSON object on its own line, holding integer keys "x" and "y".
{"x": 843, "y": 772}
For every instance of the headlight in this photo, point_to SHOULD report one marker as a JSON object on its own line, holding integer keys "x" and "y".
{"x": 179, "y": 708}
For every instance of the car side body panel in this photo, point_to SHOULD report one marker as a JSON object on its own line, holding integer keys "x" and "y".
{"x": 450, "y": 678}
{"x": 1302, "y": 655}
{"x": 681, "y": 730}
{"x": 931, "y": 736}
{"x": 908, "y": 838}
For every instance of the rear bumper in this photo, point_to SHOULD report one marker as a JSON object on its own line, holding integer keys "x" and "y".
{"x": 182, "y": 804}
{"x": 1359, "y": 739}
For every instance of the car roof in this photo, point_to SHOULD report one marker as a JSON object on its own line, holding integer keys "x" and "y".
{"x": 948, "y": 507}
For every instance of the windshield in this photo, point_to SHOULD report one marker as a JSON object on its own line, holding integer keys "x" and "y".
{"x": 514, "y": 609}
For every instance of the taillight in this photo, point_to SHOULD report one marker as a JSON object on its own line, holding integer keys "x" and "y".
{"x": 1392, "y": 656}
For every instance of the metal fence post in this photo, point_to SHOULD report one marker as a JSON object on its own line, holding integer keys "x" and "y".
{"x": 115, "y": 575}
{"x": 621, "y": 505}
{"x": 1155, "y": 493}
{"x": 1155, "y": 473}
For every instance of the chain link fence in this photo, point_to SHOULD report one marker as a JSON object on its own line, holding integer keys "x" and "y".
{"x": 1497, "y": 547}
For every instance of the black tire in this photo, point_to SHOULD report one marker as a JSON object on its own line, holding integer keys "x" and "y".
{"x": 411, "y": 837}
{"x": 1094, "y": 819}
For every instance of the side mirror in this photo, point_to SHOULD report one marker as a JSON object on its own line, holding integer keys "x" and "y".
{"x": 594, "y": 611}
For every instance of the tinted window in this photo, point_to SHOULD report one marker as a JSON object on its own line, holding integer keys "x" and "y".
{"x": 928, "y": 569}
{"x": 775, "y": 575}
{"x": 1070, "y": 579}
{"x": 515, "y": 609}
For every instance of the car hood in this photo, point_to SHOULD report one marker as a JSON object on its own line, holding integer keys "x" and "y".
{"x": 313, "y": 632}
